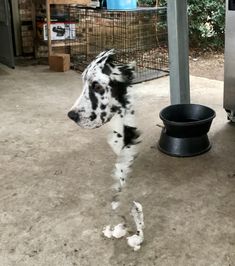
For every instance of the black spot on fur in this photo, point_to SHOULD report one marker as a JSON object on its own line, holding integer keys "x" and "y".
{"x": 102, "y": 116}
{"x": 96, "y": 87}
{"x": 111, "y": 64}
{"x": 93, "y": 116}
{"x": 101, "y": 92}
{"x": 132, "y": 112}
{"x": 115, "y": 109}
{"x": 109, "y": 118}
{"x": 102, "y": 106}
{"x": 93, "y": 99}
{"x": 119, "y": 135}
{"x": 118, "y": 91}
{"x": 106, "y": 70}
{"x": 101, "y": 60}
{"x": 131, "y": 135}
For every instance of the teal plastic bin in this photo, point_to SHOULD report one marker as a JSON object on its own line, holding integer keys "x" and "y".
{"x": 121, "y": 4}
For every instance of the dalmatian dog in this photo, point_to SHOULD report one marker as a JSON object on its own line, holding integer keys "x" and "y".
{"x": 106, "y": 97}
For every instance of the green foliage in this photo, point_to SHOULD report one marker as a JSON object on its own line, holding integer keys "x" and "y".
{"x": 206, "y": 22}
{"x": 146, "y": 2}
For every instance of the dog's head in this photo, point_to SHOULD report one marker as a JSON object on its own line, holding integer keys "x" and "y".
{"x": 104, "y": 91}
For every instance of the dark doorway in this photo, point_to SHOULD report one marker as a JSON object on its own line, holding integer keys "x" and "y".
{"x": 6, "y": 44}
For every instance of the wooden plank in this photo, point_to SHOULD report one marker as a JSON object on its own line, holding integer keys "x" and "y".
{"x": 70, "y": 2}
{"x": 68, "y": 44}
{"x": 34, "y": 25}
{"x": 48, "y": 27}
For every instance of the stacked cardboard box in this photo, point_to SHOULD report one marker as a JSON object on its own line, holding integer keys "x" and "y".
{"x": 25, "y": 11}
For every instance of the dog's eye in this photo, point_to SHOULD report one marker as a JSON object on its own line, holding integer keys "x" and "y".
{"x": 97, "y": 87}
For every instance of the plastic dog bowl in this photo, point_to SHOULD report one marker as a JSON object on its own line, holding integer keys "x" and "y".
{"x": 185, "y": 129}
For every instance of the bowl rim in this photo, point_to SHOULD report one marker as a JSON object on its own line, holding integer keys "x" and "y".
{"x": 198, "y": 122}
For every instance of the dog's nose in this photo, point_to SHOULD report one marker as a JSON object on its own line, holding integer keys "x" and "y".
{"x": 73, "y": 115}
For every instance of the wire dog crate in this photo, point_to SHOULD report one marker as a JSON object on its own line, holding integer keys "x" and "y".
{"x": 139, "y": 35}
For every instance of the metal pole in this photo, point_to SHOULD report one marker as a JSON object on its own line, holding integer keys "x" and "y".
{"x": 177, "y": 21}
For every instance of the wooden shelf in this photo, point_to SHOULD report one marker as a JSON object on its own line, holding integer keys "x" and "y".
{"x": 70, "y": 2}
{"x": 59, "y": 2}
{"x": 67, "y": 44}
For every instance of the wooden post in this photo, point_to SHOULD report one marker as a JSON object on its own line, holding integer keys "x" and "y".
{"x": 34, "y": 25}
{"x": 48, "y": 5}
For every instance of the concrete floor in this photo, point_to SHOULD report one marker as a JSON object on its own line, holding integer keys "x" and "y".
{"x": 55, "y": 180}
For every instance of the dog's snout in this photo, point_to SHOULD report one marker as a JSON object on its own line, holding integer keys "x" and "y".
{"x": 73, "y": 115}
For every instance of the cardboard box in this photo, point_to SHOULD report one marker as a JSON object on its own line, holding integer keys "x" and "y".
{"x": 59, "y": 62}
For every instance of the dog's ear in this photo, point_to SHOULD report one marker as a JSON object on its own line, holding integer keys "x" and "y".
{"x": 110, "y": 56}
{"x": 105, "y": 57}
{"x": 106, "y": 61}
{"x": 128, "y": 71}
{"x": 99, "y": 62}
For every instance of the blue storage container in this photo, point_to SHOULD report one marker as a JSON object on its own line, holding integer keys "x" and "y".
{"x": 121, "y": 4}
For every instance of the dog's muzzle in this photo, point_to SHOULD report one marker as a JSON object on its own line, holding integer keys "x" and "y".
{"x": 74, "y": 116}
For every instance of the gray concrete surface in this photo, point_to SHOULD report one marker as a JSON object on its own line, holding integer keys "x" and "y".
{"x": 55, "y": 180}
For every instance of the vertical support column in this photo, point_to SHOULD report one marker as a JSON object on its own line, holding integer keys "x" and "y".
{"x": 33, "y": 8}
{"x": 48, "y": 6}
{"x": 16, "y": 26}
{"x": 177, "y": 21}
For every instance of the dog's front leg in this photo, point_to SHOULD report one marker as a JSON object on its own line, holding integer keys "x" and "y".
{"x": 124, "y": 140}
{"x": 122, "y": 171}
{"x": 137, "y": 239}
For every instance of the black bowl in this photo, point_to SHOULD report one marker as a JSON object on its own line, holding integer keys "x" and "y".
{"x": 185, "y": 129}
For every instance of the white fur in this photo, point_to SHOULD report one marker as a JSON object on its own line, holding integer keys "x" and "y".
{"x": 118, "y": 231}
{"x": 126, "y": 155}
{"x": 135, "y": 241}
{"x": 125, "y": 159}
{"x": 107, "y": 231}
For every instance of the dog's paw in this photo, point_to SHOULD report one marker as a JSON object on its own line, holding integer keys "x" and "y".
{"x": 136, "y": 240}
{"x": 115, "y": 204}
{"x": 107, "y": 231}
{"x": 118, "y": 231}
